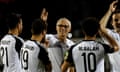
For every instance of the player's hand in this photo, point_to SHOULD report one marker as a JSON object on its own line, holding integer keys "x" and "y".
{"x": 44, "y": 15}
{"x": 113, "y": 6}
{"x": 46, "y": 43}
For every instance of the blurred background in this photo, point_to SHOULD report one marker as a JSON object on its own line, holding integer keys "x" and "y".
{"x": 75, "y": 10}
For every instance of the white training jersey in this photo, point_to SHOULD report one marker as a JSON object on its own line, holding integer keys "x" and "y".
{"x": 88, "y": 56}
{"x": 57, "y": 50}
{"x": 114, "y": 57}
{"x": 33, "y": 57}
{"x": 10, "y": 46}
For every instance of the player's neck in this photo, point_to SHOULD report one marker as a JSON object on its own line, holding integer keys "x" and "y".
{"x": 90, "y": 38}
{"x": 14, "y": 32}
{"x": 36, "y": 38}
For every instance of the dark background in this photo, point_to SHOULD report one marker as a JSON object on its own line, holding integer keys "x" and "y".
{"x": 75, "y": 10}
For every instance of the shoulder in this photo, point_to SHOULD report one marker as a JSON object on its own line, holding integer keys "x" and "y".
{"x": 70, "y": 42}
{"x": 49, "y": 36}
{"x": 52, "y": 39}
{"x": 30, "y": 43}
{"x": 76, "y": 44}
{"x": 103, "y": 44}
{"x": 8, "y": 38}
{"x": 21, "y": 39}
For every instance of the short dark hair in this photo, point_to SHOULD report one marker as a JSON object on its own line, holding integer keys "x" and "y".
{"x": 12, "y": 20}
{"x": 38, "y": 26}
{"x": 90, "y": 26}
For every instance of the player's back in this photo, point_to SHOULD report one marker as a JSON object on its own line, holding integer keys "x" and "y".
{"x": 10, "y": 51}
{"x": 88, "y": 56}
{"x": 29, "y": 57}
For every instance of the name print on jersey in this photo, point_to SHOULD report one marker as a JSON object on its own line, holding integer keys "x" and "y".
{"x": 88, "y": 48}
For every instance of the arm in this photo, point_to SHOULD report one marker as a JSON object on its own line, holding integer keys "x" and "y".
{"x": 111, "y": 41}
{"x": 103, "y": 23}
{"x": 65, "y": 66}
{"x": 68, "y": 61}
{"x": 44, "y": 17}
{"x": 105, "y": 18}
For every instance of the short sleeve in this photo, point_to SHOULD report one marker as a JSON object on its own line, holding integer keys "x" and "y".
{"x": 108, "y": 49}
{"x": 43, "y": 56}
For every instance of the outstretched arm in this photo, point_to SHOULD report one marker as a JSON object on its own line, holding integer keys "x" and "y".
{"x": 44, "y": 17}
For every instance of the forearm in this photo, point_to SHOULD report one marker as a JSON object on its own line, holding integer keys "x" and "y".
{"x": 104, "y": 20}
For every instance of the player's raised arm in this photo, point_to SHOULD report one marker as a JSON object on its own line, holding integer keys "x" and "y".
{"x": 44, "y": 17}
{"x": 103, "y": 24}
{"x": 105, "y": 18}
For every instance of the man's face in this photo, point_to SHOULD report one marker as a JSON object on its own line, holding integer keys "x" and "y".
{"x": 116, "y": 21}
{"x": 63, "y": 28}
